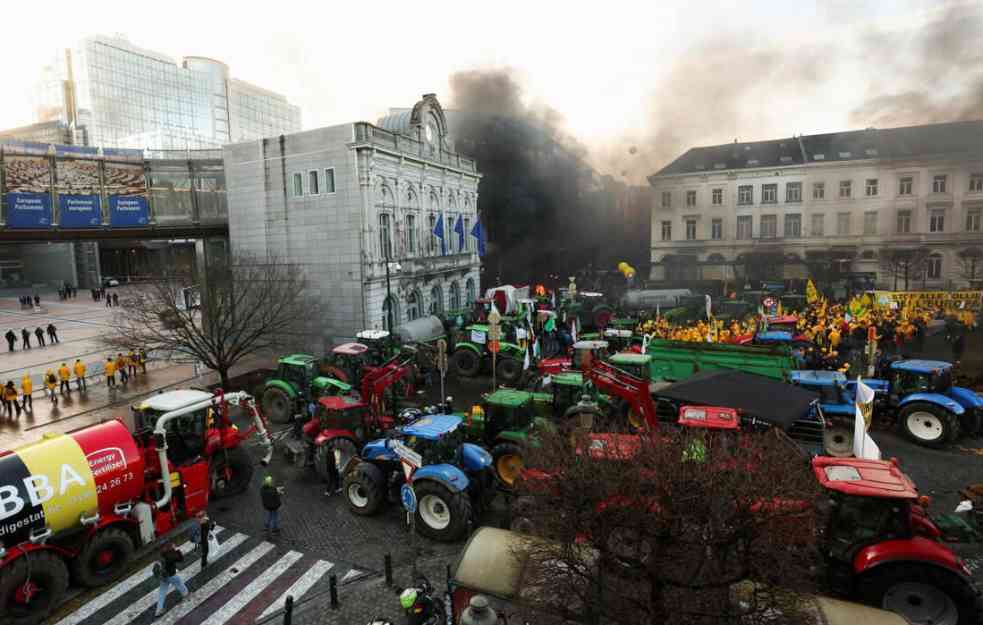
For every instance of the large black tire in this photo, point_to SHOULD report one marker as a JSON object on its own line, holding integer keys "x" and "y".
{"x": 231, "y": 472}
{"x": 467, "y": 364}
{"x": 971, "y": 423}
{"x": 338, "y": 452}
{"x": 47, "y": 576}
{"x": 364, "y": 489}
{"x": 440, "y": 514}
{"x": 922, "y": 593}
{"x": 508, "y": 370}
{"x": 928, "y": 425}
{"x": 103, "y": 558}
{"x": 507, "y": 462}
{"x": 277, "y": 405}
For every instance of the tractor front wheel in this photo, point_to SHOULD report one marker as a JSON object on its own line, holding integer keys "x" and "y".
{"x": 921, "y": 594}
{"x": 466, "y": 363}
{"x": 277, "y": 405}
{"x": 508, "y": 463}
{"x": 838, "y": 440}
{"x": 508, "y": 370}
{"x": 364, "y": 489}
{"x": 929, "y": 425}
{"x": 441, "y": 514}
{"x": 232, "y": 470}
{"x": 30, "y": 587}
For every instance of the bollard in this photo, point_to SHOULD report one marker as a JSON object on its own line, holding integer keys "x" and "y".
{"x": 288, "y": 610}
{"x": 333, "y": 588}
{"x": 389, "y": 569}
{"x": 448, "y": 573}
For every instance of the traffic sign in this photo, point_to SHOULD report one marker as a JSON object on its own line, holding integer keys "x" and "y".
{"x": 442, "y": 355}
{"x": 493, "y": 347}
{"x": 408, "y": 496}
{"x": 406, "y": 454}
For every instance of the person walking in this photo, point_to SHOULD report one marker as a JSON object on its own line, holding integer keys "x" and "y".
{"x": 110, "y": 372}
{"x": 80, "y": 375}
{"x": 109, "y": 301}
{"x": 7, "y": 408}
{"x": 170, "y": 557}
{"x": 65, "y": 376}
{"x": 11, "y": 339}
{"x": 53, "y": 333}
{"x": 143, "y": 361}
{"x": 206, "y": 526}
{"x": 124, "y": 377}
{"x": 38, "y": 332}
{"x": 50, "y": 382}
{"x": 25, "y": 338}
{"x": 270, "y": 495}
{"x": 10, "y": 398}
{"x": 26, "y": 388}
{"x": 116, "y": 300}
{"x": 37, "y": 301}
{"x": 131, "y": 363}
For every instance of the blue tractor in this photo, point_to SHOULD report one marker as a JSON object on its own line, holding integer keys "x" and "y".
{"x": 919, "y": 393}
{"x": 449, "y": 479}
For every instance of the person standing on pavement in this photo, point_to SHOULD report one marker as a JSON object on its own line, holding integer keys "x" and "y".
{"x": 25, "y": 338}
{"x": 26, "y": 388}
{"x": 7, "y": 408}
{"x": 53, "y": 333}
{"x": 143, "y": 360}
{"x": 65, "y": 376}
{"x": 116, "y": 300}
{"x": 11, "y": 339}
{"x": 169, "y": 559}
{"x": 80, "y": 375}
{"x": 124, "y": 377}
{"x": 37, "y": 301}
{"x": 10, "y": 398}
{"x": 110, "y": 373}
{"x": 206, "y": 529}
{"x": 271, "y": 497}
{"x": 131, "y": 362}
{"x": 38, "y": 332}
{"x": 109, "y": 301}
{"x": 50, "y": 382}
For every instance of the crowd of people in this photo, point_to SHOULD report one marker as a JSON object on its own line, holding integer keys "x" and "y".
{"x": 25, "y": 337}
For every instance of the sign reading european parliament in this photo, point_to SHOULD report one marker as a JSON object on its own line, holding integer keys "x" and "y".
{"x": 28, "y": 190}
{"x": 28, "y": 210}
{"x": 79, "y": 211}
{"x": 126, "y": 211}
{"x": 77, "y": 183}
{"x": 126, "y": 187}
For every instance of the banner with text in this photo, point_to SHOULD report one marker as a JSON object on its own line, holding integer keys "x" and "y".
{"x": 77, "y": 183}
{"x": 928, "y": 299}
{"x": 126, "y": 187}
{"x": 27, "y": 182}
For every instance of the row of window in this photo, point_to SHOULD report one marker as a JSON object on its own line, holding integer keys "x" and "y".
{"x": 415, "y": 306}
{"x": 793, "y": 190}
{"x": 768, "y": 226}
{"x": 316, "y": 183}
{"x": 454, "y": 243}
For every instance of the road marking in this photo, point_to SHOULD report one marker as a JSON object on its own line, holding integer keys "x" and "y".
{"x": 353, "y": 573}
{"x": 247, "y": 594}
{"x": 121, "y": 588}
{"x": 135, "y": 609}
{"x": 197, "y": 597}
{"x": 299, "y": 587}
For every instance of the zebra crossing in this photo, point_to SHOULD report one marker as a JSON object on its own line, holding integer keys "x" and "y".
{"x": 248, "y": 580}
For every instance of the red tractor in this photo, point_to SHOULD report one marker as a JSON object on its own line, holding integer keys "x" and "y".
{"x": 80, "y": 504}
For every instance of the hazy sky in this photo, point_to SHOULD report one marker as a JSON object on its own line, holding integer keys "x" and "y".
{"x": 603, "y": 65}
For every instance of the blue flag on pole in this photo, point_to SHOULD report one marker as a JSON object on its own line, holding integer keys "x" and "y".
{"x": 459, "y": 229}
{"x": 479, "y": 234}
{"x": 438, "y": 231}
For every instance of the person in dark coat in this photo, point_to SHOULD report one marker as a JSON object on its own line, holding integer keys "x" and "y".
{"x": 11, "y": 339}
{"x": 270, "y": 496}
{"x": 37, "y": 300}
{"x": 206, "y": 527}
{"x": 25, "y": 338}
{"x": 169, "y": 559}
{"x": 53, "y": 333}
{"x": 38, "y": 332}
{"x": 116, "y": 300}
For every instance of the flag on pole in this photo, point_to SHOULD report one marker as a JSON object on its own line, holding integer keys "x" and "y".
{"x": 863, "y": 445}
{"x": 525, "y": 362}
{"x": 459, "y": 229}
{"x": 438, "y": 231}
{"x": 573, "y": 329}
{"x": 478, "y": 233}
{"x": 811, "y": 293}
{"x": 709, "y": 305}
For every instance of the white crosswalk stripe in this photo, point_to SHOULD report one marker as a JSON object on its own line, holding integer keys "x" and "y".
{"x": 247, "y": 594}
{"x": 299, "y": 587}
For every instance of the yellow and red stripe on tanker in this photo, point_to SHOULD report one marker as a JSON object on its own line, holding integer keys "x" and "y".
{"x": 62, "y": 478}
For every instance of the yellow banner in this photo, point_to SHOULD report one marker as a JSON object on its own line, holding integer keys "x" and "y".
{"x": 928, "y": 299}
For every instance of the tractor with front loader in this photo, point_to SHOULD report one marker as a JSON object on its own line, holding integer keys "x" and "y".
{"x": 296, "y": 383}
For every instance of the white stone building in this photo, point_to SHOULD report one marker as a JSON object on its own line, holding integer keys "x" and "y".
{"x": 337, "y": 201}
{"x": 856, "y": 196}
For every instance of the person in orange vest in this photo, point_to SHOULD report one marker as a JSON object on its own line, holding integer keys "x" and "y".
{"x": 131, "y": 362}
{"x": 110, "y": 372}
{"x": 64, "y": 374}
{"x": 80, "y": 375}
{"x": 124, "y": 377}
{"x": 26, "y": 388}
{"x": 50, "y": 382}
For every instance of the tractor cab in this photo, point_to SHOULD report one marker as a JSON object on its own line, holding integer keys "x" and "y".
{"x": 567, "y": 389}
{"x": 620, "y": 339}
{"x": 637, "y": 365}
{"x": 186, "y": 435}
{"x": 831, "y": 386}
{"x": 380, "y": 346}
{"x": 437, "y": 438}
{"x": 347, "y": 361}
{"x": 920, "y": 376}
{"x": 344, "y": 412}
{"x": 507, "y": 410}
{"x": 585, "y": 352}
{"x": 299, "y": 371}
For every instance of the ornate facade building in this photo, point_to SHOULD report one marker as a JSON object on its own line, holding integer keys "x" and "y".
{"x": 355, "y": 206}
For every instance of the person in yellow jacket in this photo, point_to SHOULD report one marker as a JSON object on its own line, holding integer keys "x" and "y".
{"x": 131, "y": 362}
{"x": 80, "y": 375}
{"x": 110, "y": 372}
{"x": 834, "y": 337}
{"x": 26, "y": 388}
{"x": 50, "y": 382}
{"x": 10, "y": 399}
{"x": 124, "y": 377}
{"x": 64, "y": 374}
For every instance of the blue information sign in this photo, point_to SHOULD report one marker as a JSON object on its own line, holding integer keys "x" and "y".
{"x": 128, "y": 211}
{"x": 408, "y": 497}
{"x": 28, "y": 210}
{"x": 79, "y": 211}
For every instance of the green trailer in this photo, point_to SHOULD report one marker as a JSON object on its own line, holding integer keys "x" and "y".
{"x": 677, "y": 360}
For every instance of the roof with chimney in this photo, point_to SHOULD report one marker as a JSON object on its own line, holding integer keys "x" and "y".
{"x": 873, "y": 143}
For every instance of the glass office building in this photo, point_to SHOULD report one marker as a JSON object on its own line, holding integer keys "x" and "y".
{"x": 127, "y": 96}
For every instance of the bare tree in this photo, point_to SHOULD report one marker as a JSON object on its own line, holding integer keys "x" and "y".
{"x": 648, "y": 532}
{"x": 904, "y": 265}
{"x": 969, "y": 265}
{"x": 248, "y": 305}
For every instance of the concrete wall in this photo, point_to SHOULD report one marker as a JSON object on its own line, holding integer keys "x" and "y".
{"x": 49, "y": 263}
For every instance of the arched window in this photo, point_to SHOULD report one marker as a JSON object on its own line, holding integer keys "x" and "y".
{"x": 412, "y": 225}
{"x": 469, "y": 291}
{"x": 436, "y": 300}
{"x": 455, "y": 293}
{"x": 934, "y": 267}
{"x": 386, "y": 210}
{"x": 390, "y": 302}
{"x": 413, "y": 305}
{"x": 715, "y": 258}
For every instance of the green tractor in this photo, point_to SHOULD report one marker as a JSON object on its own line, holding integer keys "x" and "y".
{"x": 296, "y": 383}
{"x": 471, "y": 353}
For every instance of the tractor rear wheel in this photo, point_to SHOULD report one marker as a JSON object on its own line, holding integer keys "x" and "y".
{"x": 508, "y": 370}
{"x": 277, "y": 405}
{"x": 231, "y": 470}
{"x": 364, "y": 489}
{"x": 103, "y": 558}
{"x": 922, "y": 594}
{"x": 508, "y": 463}
{"x": 602, "y": 317}
{"x": 337, "y": 452}
{"x": 466, "y": 363}
{"x": 29, "y": 590}
{"x": 441, "y": 514}
{"x": 838, "y": 440}
{"x": 928, "y": 425}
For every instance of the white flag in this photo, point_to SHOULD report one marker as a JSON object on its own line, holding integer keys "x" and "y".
{"x": 709, "y": 304}
{"x": 573, "y": 330}
{"x": 863, "y": 445}
{"x": 525, "y": 363}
